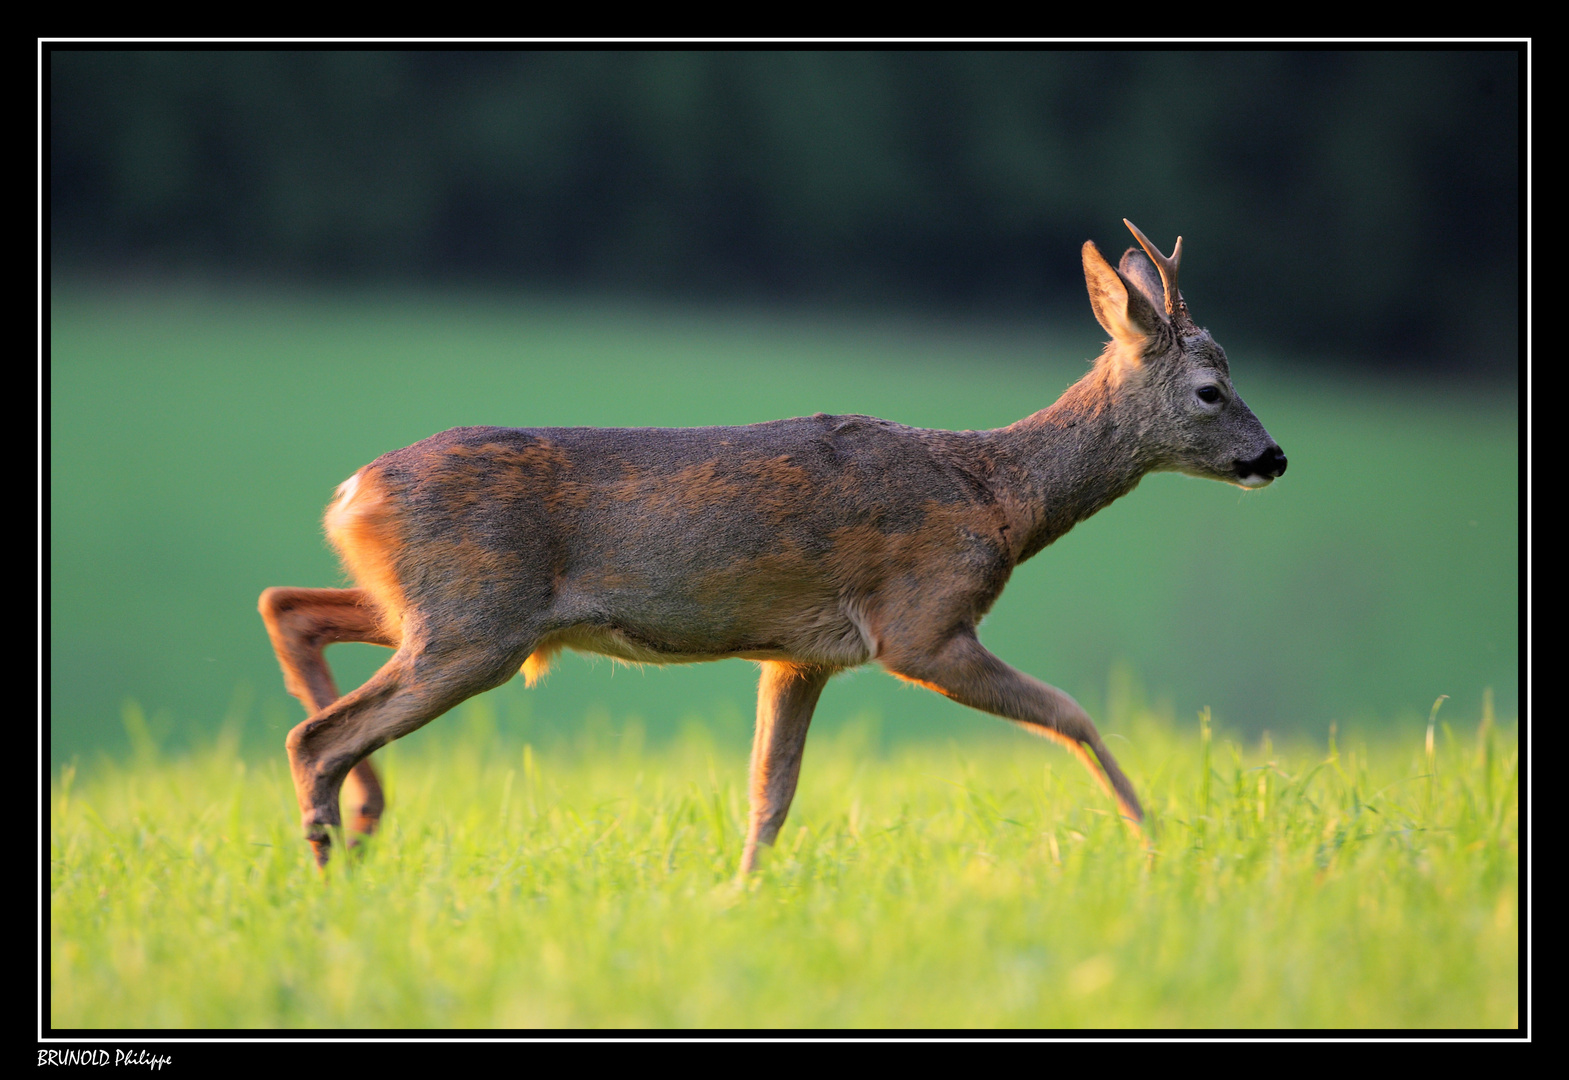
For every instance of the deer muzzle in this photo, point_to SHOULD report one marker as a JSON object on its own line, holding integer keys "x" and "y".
{"x": 1268, "y": 465}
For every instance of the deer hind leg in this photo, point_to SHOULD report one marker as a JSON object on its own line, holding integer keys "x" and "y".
{"x": 301, "y": 623}
{"x": 961, "y": 668}
{"x": 786, "y": 696}
{"x": 417, "y": 685}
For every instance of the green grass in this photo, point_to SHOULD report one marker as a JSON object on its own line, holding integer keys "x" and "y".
{"x": 563, "y": 856}
{"x": 588, "y": 883}
{"x": 195, "y": 438}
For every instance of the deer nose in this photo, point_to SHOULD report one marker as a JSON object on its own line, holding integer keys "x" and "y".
{"x": 1271, "y": 463}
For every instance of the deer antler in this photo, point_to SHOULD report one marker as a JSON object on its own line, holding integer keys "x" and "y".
{"x": 1175, "y": 305}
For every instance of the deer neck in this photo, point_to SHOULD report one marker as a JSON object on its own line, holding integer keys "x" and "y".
{"x": 1065, "y": 462}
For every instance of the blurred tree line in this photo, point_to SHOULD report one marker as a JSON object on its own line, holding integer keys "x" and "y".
{"x": 1340, "y": 203}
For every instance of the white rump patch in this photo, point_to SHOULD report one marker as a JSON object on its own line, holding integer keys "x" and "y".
{"x": 347, "y": 489}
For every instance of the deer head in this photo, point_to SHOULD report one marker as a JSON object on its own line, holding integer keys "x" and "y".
{"x": 1169, "y": 379}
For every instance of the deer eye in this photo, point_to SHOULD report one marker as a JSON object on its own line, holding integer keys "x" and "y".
{"x": 1208, "y": 394}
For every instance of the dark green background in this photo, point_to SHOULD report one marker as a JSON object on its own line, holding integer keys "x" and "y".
{"x": 1342, "y": 202}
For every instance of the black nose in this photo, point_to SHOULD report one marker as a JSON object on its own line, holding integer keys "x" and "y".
{"x": 1270, "y": 463}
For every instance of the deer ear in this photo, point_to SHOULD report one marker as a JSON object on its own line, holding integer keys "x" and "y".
{"x": 1120, "y": 306}
{"x": 1137, "y": 268}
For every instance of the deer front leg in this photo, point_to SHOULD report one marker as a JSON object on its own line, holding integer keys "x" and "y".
{"x": 301, "y": 623}
{"x": 786, "y": 695}
{"x": 961, "y": 668}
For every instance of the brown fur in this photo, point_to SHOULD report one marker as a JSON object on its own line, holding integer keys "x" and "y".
{"x": 362, "y": 525}
{"x": 810, "y": 545}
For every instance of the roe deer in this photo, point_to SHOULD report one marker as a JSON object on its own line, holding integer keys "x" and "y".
{"x": 809, "y": 545}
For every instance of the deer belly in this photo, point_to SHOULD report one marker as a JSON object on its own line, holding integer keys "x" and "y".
{"x": 805, "y": 633}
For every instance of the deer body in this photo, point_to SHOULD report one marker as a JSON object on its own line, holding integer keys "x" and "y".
{"x": 810, "y": 545}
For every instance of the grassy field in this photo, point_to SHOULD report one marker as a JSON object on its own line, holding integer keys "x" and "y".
{"x": 195, "y": 439}
{"x": 563, "y": 856}
{"x": 589, "y": 884}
